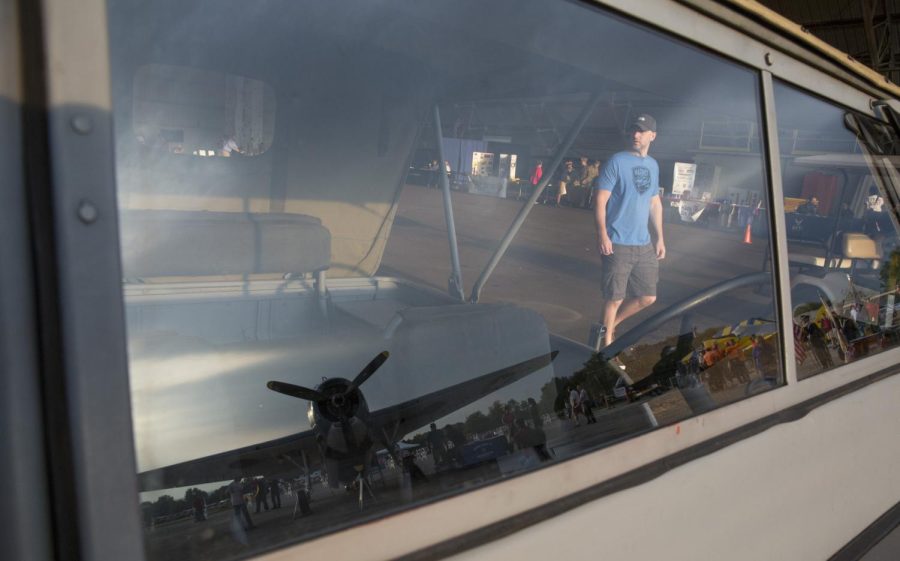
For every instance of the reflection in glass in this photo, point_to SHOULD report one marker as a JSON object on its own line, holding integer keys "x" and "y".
{"x": 185, "y": 110}
{"x": 839, "y": 173}
{"x": 293, "y": 337}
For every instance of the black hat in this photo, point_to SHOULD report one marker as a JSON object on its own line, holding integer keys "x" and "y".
{"x": 644, "y": 122}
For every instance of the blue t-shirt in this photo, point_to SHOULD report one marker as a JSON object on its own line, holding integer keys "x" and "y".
{"x": 632, "y": 181}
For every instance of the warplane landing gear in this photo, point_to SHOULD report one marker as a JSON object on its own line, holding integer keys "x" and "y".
{"x": 362, "y": 483}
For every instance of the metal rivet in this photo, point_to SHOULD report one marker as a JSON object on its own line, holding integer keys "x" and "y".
{"x": 87, "y": 212}
{"x": 82, "y": 124}
{"x": 769, "y": 60}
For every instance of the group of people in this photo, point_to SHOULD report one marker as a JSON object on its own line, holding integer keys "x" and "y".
{"x": 445, "y": 444}
{"x": 525, "y": 436}
{"x": 434, "y": 173}
{"x": 732, "y": 355}
{"x": 842, "y": 332}
{"x": 581, "y": 405}
{"x": 573, "y": 184}
{"x": 261, "y": 489}
{"x": 875, "y": 222}
{"x": 818, "y": 339}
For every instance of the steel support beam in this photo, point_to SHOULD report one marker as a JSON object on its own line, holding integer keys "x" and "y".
{"x": 455, "y": 282}
{"x": 526, "y": 208}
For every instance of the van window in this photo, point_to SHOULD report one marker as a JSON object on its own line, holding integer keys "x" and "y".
{"x": 182, "y": 110}
{"x": 299, "y": 362}
{"x": 842, "y": 230}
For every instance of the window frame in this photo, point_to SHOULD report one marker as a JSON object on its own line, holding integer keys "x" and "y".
{"x": 84, "y": 366}
{"x": 91, "y": 317}
{"x": 23, "y": 458}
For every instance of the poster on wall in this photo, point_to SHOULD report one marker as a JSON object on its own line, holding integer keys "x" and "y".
{"x": 482, "y": 163}
{"x": 683, "y": 178}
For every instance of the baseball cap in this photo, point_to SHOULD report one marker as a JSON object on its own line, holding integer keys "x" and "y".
{"x": 644, "y": 122}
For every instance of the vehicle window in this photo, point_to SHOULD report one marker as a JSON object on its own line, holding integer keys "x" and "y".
{"x": 182, "y": 110}
{"x": 299, "y": 360}
{"x": 840, "y": 212}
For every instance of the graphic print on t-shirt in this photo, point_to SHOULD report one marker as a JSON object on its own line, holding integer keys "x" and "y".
{"x": 641, "y": 176}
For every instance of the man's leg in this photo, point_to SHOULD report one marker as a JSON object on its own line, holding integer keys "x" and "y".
{"x": 610, "y": 310}
{"x": 617, "y": 268}
{"x": 632, "y": 306}
{"x": 642, "y": 279}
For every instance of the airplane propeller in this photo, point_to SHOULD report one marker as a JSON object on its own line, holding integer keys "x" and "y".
{"x": 366, "y": 372}
{"x": 337, "y": 399}
{"x": 296, "y": 391}
{"x": 340, "y": 404}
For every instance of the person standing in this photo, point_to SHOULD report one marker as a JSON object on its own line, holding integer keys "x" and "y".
{"x": 590, "y": 177}
{"x": 275, "y": 493}
{"x": 449, "y": 173}
{"x": 564, "y": 181}
{"x": 433, "y": 171}
{"x": 536, "y": 176}
{"x": 199, "y": 505}
{"x": 817, "y": 341}
{"x": 810, "y": 207}
{"x": 587, "y": 406}
{"x": 436, "y": 444}
{"x": 509, "y": 421}
{"x": 627, "y": 195}
{"x": 575, "y": 404}
{"x": 536, "y": 416}
{"x": 534, "y": 438}
{"x": 236, "y": 490}
{"x": 259, "y": 493}
{"x": 757, "y": 355}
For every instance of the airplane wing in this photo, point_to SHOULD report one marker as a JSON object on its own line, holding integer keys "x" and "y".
{"x": 282, "y": 455}
{"x": 403, "y": 418}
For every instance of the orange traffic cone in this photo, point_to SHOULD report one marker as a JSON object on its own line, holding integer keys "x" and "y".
{"x": 747, "y": 236}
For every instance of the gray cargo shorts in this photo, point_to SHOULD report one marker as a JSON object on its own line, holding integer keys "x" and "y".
{"x": 631, "y": 270}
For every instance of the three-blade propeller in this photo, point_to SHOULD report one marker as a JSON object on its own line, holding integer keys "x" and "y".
{"x": 314, "y": 395}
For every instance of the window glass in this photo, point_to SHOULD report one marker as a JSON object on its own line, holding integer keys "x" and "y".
{"x": 839, "y": 171}
{"x": 183, "y": 110}
{"x": 294, "y": 340}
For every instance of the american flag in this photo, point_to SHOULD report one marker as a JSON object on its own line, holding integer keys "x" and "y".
{"x": 799, "y": 346}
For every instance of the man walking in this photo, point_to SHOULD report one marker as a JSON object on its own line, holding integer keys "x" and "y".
{"x": 627, "y": 201}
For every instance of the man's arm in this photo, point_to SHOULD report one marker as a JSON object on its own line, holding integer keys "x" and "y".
{"x": 604, "y": 244}
{"x": 656, "y": 220}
